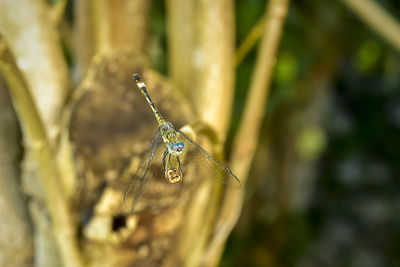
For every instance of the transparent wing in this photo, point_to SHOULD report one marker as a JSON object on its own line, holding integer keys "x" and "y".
{"x": 138, "y": 181}
{"x": 194, "y": 154}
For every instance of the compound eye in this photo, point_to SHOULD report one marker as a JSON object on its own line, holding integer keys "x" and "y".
{"x": 181, "y": 146}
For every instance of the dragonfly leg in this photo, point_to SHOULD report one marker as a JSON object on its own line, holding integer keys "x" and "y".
{"x": 180, "y": 165}
{"x": 163, "y": 159}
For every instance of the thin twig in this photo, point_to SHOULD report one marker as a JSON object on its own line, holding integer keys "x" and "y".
{"x": 375, "y": 16}
{"x": 246, "y": 139}
{"x": 34, "y": 131}
{"x": 250, "y": 41}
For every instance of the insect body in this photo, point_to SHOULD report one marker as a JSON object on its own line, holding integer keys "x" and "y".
{"x": 169, "y": 136}
{"x": 177, "y": 145}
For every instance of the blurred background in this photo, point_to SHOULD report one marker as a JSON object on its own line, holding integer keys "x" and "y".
{"x": 323, "y": 188}
{"x": 324, "y": 185}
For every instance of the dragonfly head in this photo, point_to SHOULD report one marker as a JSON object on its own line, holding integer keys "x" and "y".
{"x": 176, "y": 148}
{"x": 173, "y": 175}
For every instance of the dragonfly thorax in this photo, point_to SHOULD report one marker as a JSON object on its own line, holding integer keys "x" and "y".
{"x": 170, "y": 138}
{"x": 168, "y": 133}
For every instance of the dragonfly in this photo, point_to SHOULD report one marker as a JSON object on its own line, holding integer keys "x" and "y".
{"x": 178, "y": 149}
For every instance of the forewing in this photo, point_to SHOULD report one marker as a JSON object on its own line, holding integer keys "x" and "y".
{"x": 195, "y": 154}
{"x": 139, "y": 179}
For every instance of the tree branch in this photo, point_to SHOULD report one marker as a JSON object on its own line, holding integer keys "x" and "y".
{"x": 378, "y": 19}
{"x": 250, "y": 41}
{"x": 246, "y": 140}
{"x": 16, "y": 235}
{"x": 42, "y": 61}
{"x": 124, "y": 25}
{"x": 35, "y": 132}
{"x": 206, "y": 74}
{"x": 181, "y": 41}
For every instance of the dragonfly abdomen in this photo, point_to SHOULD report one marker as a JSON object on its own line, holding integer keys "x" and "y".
{"x": 142, "y": 87}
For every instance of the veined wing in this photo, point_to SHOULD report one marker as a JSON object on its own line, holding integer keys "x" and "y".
{"x": 138, "y": 180}
{"x": 195, "y": 154}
